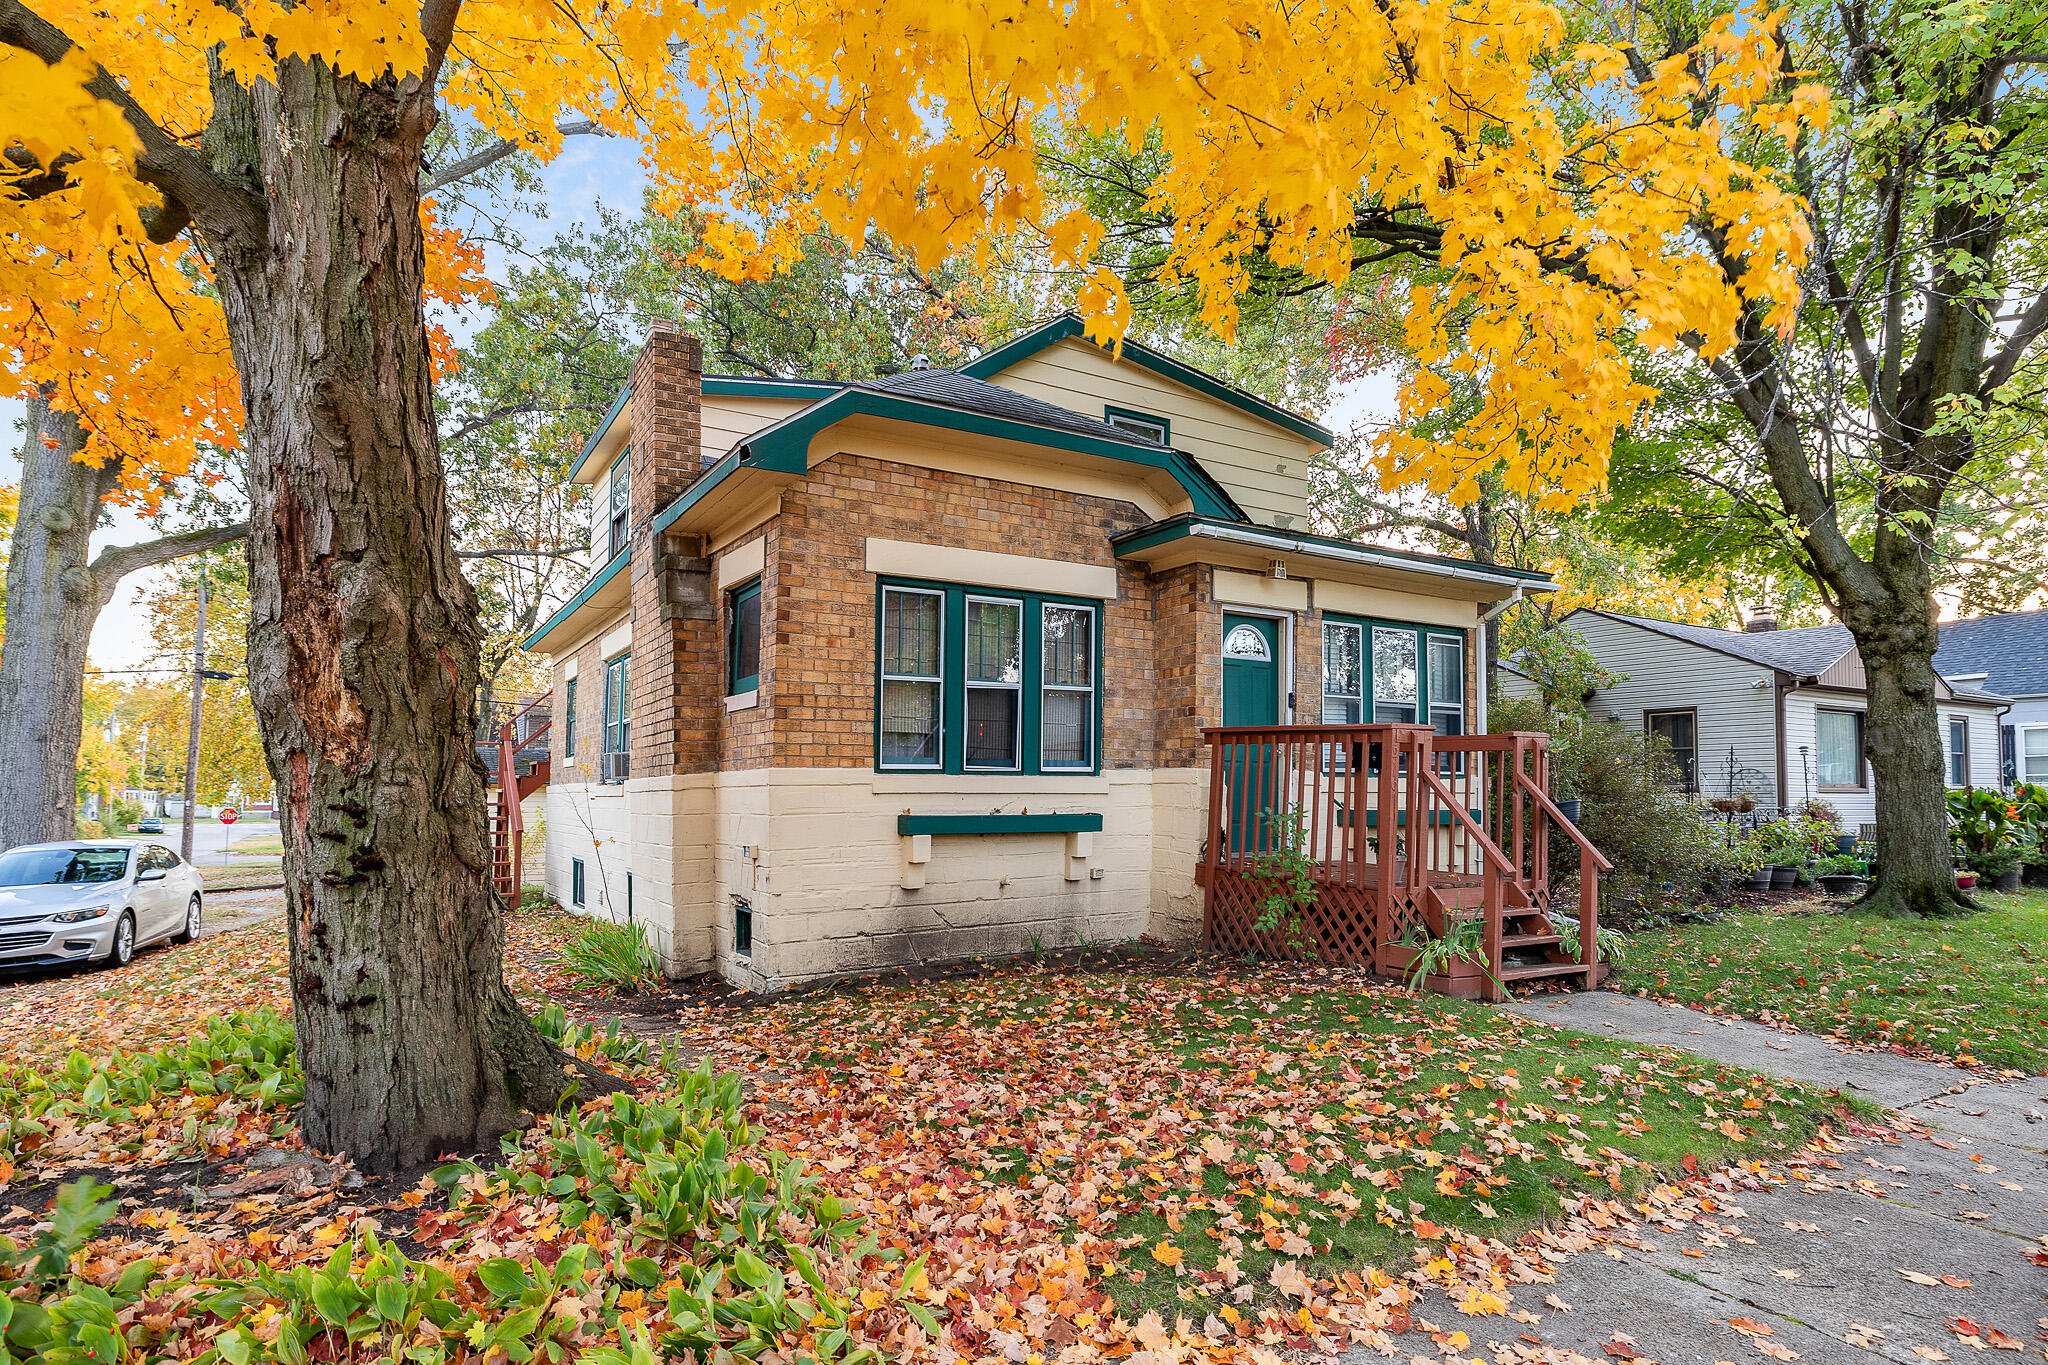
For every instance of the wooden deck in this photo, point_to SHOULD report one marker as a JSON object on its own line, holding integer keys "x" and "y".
{"x": 1472, "y": 823}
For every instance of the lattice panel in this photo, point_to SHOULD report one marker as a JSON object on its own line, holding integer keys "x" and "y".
{"x": 1338, "y": 925}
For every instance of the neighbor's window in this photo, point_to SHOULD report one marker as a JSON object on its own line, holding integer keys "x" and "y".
{"x": 975, "y": 681}
{"x": 1958, "y": 752}
{"x": 2033, "y": 753}
{"x": 995, "y": 684}
{"x": 620, "y": 491}
{"x": 569, "y": 720}
{"x": 1680, "y": 731}
{"x": 743, "y": 639}
{"x": 913, "y": 626}
{"x": 1067, "y": 732}
{"x": 1839, "y": 737}
{"x": 1343, "y": 673}
{"x": 618, "y": 705}
{"x": 575, "y": 881}
{"x": 1139, "y": 424}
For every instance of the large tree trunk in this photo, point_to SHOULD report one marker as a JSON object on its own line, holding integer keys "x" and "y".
{"x": 363, "y": 639}
{"x": 52, "y": 602}
{"x": 1902, "y": 740}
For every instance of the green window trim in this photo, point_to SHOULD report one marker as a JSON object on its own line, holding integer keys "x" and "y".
{"x": 1110, "y": 413}
{"x": 1421, "y": 706}
{"x": 576, "y": 891}
{"x": 951, "y": 679}
{"x": 569, "y": 720}
{"x": 737, "y": 602}
{"x": 1078, "y": 822}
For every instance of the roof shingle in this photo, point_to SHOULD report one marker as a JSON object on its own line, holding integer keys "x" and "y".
{"x": 2010, "y": 649}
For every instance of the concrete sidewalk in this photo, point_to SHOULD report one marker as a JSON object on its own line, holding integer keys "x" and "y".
{"x": 1846, "y": 1265}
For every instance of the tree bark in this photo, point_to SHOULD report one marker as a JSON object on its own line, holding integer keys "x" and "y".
{"x": 52, "y": 601}
{"x": 54, "y": 597}
{"x": 363, "y": 637}
{"x": 1902, "y": 738}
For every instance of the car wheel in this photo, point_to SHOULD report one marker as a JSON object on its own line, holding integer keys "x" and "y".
{"x": 123, "y": 951}
{"x": 191, "y": 929}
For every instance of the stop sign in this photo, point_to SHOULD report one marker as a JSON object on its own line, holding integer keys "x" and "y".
{"x": 228, "y": 815}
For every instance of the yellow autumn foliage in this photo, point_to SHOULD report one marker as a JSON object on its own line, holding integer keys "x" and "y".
{"x": 1280, "y": 127}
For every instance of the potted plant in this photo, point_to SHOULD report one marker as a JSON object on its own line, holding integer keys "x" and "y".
{"x": 1998, "y": 869}
{"x": 1841, "y": 873}
{"x": 1990, "y": 830}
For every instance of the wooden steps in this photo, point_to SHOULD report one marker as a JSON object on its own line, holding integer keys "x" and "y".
{"x": 1511, "y": 971}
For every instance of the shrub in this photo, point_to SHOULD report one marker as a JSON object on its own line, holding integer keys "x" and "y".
{"x": 1631, "y": 807}
{"x": 91, "y": 829}
{"x": 607, "y": 955}
{"x": 1563, "y": 668}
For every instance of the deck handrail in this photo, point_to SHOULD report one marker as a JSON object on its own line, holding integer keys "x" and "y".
{"x": 1586, "y": 848}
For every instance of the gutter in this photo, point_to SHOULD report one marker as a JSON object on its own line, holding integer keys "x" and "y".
{"x": 1485, "y": 622}
{"x": 1276, "y": 541}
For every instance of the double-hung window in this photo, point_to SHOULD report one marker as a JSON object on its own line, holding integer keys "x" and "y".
{"x": 1389, "y": 673}
{"x": 1067, "y": 707}
{"x": 913, "y": 631}
{"x": 973, "y": 680}
{"x": 1838, "y": 738}
{"x": 2030, "y": 753}
{"x": 1447, "y": 684}
{"x": 995, "y": 685}
{"x": 743, "y": 639}
{"x": 1680, "y": 732}
{"x": 617, "y": 736}
{"x": 1343, "y": 673}
{"x": 1958, "y": 752}
{"x": 619, "y": 489}
{"x": 569, "y": 720}
{"x": 1396, "y": 674}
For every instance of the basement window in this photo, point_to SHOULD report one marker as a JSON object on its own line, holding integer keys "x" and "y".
{"x": 742, "y": 926}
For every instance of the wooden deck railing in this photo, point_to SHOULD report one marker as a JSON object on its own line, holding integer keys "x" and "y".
{"x": 524, "y": 729}
{"x": 1405, "y": 833}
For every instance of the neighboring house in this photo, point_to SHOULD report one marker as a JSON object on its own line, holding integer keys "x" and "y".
{"x": 1776, "y": 714}
{"x": 2007, "y": 654}
{"x": 867, "y": 675}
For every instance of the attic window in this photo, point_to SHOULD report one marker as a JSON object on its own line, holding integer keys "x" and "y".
{"x": 1141, "y": 424}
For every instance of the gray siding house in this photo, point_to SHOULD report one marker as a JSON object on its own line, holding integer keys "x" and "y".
{"x": 2007, "y": 654}
{"x": 1776, "y": 714}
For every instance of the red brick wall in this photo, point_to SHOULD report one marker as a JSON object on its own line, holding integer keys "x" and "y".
{"x": 674, "y": 622}
{"x": 824, "y": 599}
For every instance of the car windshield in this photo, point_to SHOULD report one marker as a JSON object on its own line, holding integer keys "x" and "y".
{"x": 62, "y": 866}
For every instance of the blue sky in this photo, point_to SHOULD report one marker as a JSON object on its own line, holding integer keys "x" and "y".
{"x": 590, "y": 171}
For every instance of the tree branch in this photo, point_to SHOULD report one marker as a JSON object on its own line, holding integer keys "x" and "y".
{"x": 498, "y": 151}
{"x": 2032, "y": 324}
{"x": 518, "y": 552}
{"x": 118, "y": 561}
{"x": 189, "y": 186}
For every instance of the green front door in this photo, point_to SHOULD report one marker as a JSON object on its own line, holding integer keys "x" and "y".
{"x": 1251, "y": 696}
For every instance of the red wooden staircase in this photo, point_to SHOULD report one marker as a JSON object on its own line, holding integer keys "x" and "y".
{"x": 523, "y": 764}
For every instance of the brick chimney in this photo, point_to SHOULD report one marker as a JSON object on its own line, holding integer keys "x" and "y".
{"x": 675, "y": 614}
{"x": 1766, "y": 618}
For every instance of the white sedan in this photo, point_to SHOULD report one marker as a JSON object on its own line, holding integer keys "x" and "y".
{"x": 93, "y": 900}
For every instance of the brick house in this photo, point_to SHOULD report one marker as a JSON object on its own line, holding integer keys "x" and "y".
{"x": 867, "y": 675}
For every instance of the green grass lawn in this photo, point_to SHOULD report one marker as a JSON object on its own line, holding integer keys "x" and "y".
{"x": 250, "y": 848}
{"x": 1972, "y": 988}
{"x": 244, "y": 872}
{"x": 1225, "y": 1121}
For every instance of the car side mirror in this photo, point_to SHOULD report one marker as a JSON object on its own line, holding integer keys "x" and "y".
{"x": 155, "y": 874}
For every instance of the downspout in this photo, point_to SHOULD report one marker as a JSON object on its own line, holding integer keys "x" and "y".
{"x": 1486, "y": 625}
{"x": 1778, "y": 691}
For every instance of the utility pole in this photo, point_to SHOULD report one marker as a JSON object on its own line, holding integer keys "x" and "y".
{"x": 192, "y": 741}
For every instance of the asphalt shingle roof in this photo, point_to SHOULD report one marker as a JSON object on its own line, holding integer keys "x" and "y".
{"x": 2011, "y": 650}
{"x": 1802, "y": 650}
{"x": 957, "y": 390}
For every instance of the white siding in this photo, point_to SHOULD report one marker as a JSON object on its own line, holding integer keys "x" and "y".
{"x": 1263, "y": 466}
{"x": 1802, "y": 770}
{"x": 2028, "y": 713}
{"x": 1733, "y": 717}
